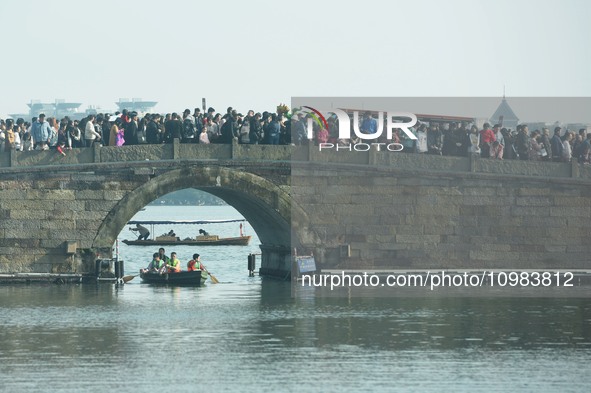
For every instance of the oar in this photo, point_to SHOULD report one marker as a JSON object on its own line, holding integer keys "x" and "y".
{"x": 213, "y": 278}
{"x": 129, "y": 278}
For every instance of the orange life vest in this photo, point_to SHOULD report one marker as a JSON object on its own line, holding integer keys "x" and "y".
{"x": 191, "y": 265}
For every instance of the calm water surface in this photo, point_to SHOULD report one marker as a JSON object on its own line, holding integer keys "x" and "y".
{"x": 249, "y": 334}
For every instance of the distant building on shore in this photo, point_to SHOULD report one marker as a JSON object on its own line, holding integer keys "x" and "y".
{"x": 60, "y": 108}
{"x": 136, "y": 104}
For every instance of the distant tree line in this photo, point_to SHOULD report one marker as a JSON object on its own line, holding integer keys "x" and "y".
{"x": 188, "y": 197}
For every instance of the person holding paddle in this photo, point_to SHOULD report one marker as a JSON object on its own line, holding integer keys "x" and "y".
{"x": 156, "y": 266}
{"x": 195, "y": 264}
{"x": 143, "y": 232}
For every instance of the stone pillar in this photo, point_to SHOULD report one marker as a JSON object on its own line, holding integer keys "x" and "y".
{"x": 233, "y": 152}
{"x": 574, "y": 168}
{"x": 176, "y": 148}
{"x": 275, "y": 261}
{"x": 12, "y": 154}
{"x": 96, "y": 152}
{"x": 472, "y": 163}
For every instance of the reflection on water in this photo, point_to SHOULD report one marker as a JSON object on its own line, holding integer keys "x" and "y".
{"x": 249, "y": 334}
{"x": 252, "y": 336}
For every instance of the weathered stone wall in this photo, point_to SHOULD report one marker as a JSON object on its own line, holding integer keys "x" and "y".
{"x": 393, "y": 218}
{"x": 391, "y": 209}
{"x": 173, "y": 151}
{"x": 42, "y": 210}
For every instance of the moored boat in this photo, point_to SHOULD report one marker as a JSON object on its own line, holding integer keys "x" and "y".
{"x": 196, "y": 241}
{"x": 203, "y": 239}
{"x": 188, "y": 278}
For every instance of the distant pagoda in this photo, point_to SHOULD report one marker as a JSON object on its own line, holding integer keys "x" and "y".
{"x": 505, "y": 116}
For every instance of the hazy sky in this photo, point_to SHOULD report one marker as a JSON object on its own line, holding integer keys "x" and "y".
{"x": 256, "y": 54}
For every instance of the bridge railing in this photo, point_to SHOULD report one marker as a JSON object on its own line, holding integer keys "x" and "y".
{"x": 406, "y": 161}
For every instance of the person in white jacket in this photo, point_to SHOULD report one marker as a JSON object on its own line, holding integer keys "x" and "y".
{"x": 90, "y": 133}
{"x": 567, "y": 152}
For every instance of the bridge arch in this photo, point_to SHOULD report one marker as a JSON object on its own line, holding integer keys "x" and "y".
{"x": 266, "y": 206}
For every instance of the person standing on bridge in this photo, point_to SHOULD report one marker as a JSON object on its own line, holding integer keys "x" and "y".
{"x": 272, "y": 131}
{"x": 203, "y": 138}
{"x": 188, "y": 133}
{"x": 557, "y": 145}
{"x": 9, "y": 141}
{"x": 523, "y": 142}
{"x": 369, "y": 125}
{"x": 153, "y": 134}
{"x": 173, "y": 128}
{"x": 41, "y": 132}
{"x": 131, "y": 130}
{"x": 487, "y": 137}
{"x": 90, "y": 133}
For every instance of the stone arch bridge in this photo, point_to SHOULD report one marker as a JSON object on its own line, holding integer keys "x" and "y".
{"x": 371, "y": 210}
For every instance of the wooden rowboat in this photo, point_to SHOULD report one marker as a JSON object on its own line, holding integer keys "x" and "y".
{"x": 196, "y": 241}
{"x": 203, "y": 239}
{"x": 190, "y": 278}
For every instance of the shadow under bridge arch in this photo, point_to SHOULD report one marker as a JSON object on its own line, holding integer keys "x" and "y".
{"x": 264, "y": 204}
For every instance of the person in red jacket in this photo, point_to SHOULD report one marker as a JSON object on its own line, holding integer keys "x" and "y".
{"x": 487, "y": 137}
{"x": 195, "y": 263}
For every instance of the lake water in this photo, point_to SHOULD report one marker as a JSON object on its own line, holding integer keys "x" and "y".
{"x": 249, "y": 334}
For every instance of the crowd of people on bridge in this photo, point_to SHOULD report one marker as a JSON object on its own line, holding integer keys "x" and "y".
{"x": 281, "y": 127}
{"x": 497, "y": 142}
{"x": 128, "y": 128}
